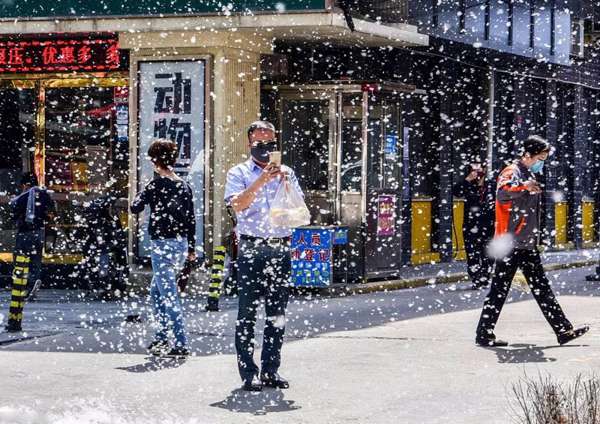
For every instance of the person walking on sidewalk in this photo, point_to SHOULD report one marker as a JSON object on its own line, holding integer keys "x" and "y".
{"x": 478, "y": 224}
{"x": 172, "y": 229}
{"x": 32, "y": 210}
{"x": 517, "y": 225}
{"x": 264, "y": 263}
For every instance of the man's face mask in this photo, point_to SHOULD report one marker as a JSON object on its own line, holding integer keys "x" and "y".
{"x": 260, "y": 150}
{"x": 537, "y": 167}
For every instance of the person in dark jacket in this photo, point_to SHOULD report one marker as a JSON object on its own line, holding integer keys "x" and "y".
{"x": 516, "y": 238}
{"x": 105, "y": 245}
{"x": 32, "y": 210}
{"x": 172, "y": 228}
{"x": 478, "y": 224}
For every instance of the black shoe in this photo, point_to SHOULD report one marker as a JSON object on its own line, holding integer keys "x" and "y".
{"x": 13, "y": 329}
{"x": 274, "y": 380}
{"x": 178, "y": 352}
{"x": 211, "y": 308}
{"x": 490, "y": 342}
{"x": 158, "y": 346}
{"x": 571, "y": 335}
{"x": 252, "y": 384}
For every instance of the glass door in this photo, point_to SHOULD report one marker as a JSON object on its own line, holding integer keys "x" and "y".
{"x": 383, "y": 200}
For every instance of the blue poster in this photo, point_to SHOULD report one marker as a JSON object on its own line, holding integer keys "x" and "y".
{"x": 312, "y": 257}
{"x": 391, "y": 145}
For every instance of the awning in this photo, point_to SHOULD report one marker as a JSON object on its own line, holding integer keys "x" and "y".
{"x": 325, "y": 27}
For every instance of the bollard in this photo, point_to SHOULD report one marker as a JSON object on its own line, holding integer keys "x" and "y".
{"x": 216, "y": 279}
{"x": 18, "y": 293}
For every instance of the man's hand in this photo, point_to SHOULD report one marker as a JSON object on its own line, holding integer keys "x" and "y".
{"x": 532, "y": 186}
{"x": 243, "y": 200}
{"x": 270, "y": 172}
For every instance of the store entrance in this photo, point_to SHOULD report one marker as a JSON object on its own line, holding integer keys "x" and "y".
{"x": 345, "y": 144}
{"x": 72, "y": 132}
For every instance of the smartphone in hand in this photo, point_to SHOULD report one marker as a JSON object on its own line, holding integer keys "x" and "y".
{"x": 275, "y": 158}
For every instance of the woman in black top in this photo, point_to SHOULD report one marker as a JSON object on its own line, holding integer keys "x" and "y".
{"x": 172, "y": 228}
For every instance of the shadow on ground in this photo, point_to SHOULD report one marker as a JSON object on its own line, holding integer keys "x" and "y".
{"x": 524, "y": 353}
{"x": 100, "y": 327}
{"x": 261, "y": 403}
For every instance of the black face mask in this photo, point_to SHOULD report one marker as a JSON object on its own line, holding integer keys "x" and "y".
{"x": 260, "y": 151}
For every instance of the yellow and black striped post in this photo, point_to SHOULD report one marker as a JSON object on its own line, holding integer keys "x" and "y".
{"x": 18, "y": 293}
{"x": 216, "y": 279}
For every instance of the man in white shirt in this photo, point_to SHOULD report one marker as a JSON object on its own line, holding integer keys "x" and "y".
{"x": 263, "y": 258}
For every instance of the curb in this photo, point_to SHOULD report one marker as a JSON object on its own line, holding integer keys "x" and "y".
{"x": 409, "y": 283}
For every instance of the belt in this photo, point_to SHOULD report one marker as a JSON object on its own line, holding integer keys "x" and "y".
{"x": 262, "y": 240}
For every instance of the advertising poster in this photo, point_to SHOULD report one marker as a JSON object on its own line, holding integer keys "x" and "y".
{"x": 311, "y": 252}
{"x": 172, "y": 106}
{"x": 386, "y": 215}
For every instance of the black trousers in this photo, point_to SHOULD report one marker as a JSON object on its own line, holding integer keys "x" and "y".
{"x": 263, "y": 270}
{"x": 530, "y": 263}
{"x": 479, "y": 264}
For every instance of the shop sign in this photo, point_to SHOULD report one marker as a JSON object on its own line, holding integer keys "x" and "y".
{"x": 386, "y": 215}
{"x": 172, "y": 106}
{"x": 60, "y": 54}
{"x": 311, "y": 252}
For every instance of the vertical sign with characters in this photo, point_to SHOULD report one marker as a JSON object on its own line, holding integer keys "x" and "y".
{"x": 172, "y": 106}
{"x": 386, "y": 215}
{"x": 311, "y": 253}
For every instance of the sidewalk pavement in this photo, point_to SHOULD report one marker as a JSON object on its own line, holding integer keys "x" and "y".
{"x": 456, "y": 271}
{"x": 405, "y": 356}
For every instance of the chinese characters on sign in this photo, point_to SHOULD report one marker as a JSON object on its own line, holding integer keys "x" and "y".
{"x": 172, "y": 106}
{"x": 386, "y": 216}
{"x": 312, "y": 257}
{"x": 58, "y": 54}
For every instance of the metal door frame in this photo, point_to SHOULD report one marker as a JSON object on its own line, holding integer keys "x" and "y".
{"x": 334, "y": 93}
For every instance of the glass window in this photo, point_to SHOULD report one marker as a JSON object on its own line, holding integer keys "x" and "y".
{"x": 475, "y": 19}
{"x": 85, "y": 154}
{"x": 448, "y": 18}
{"x": 542, "y": 31}
{"x": 392, "y": 145}
{"x": 499, "y": 22}
{"x": 305, "y": 139}
{"x": 351, "y": 167}
{"x": 18, "y": 108}
{"x": 521, "y": 27}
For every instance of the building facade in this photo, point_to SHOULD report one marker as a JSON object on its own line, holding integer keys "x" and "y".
{"x": 190, "y": 71}
{"x": 381, "y": 105}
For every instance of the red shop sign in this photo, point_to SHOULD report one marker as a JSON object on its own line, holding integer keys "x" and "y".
{"x": 60, "y": 54}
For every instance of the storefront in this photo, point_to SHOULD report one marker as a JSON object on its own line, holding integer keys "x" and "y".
{"x": 347, "y": 143}
{"x": 192, "y": 74}
{"x": 64, "y": 114}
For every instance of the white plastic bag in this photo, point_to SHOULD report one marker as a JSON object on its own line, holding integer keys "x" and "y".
{"x": 288, "y": 209}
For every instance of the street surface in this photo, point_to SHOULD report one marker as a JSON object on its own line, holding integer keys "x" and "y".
{"x": 406, "y": 356}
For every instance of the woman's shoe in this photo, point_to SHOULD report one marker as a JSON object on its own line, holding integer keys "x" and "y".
{"x": 178, "y": 352}
{"x": 158, "y": 347}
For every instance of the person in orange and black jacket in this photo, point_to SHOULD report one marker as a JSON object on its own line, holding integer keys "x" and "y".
{"x": 517, "y": 224}
{"x": 478, "y": 224}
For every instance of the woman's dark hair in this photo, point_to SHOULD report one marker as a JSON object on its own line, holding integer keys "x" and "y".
{"x": 163, "y": 153}
{"x": 534, "y": 145}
